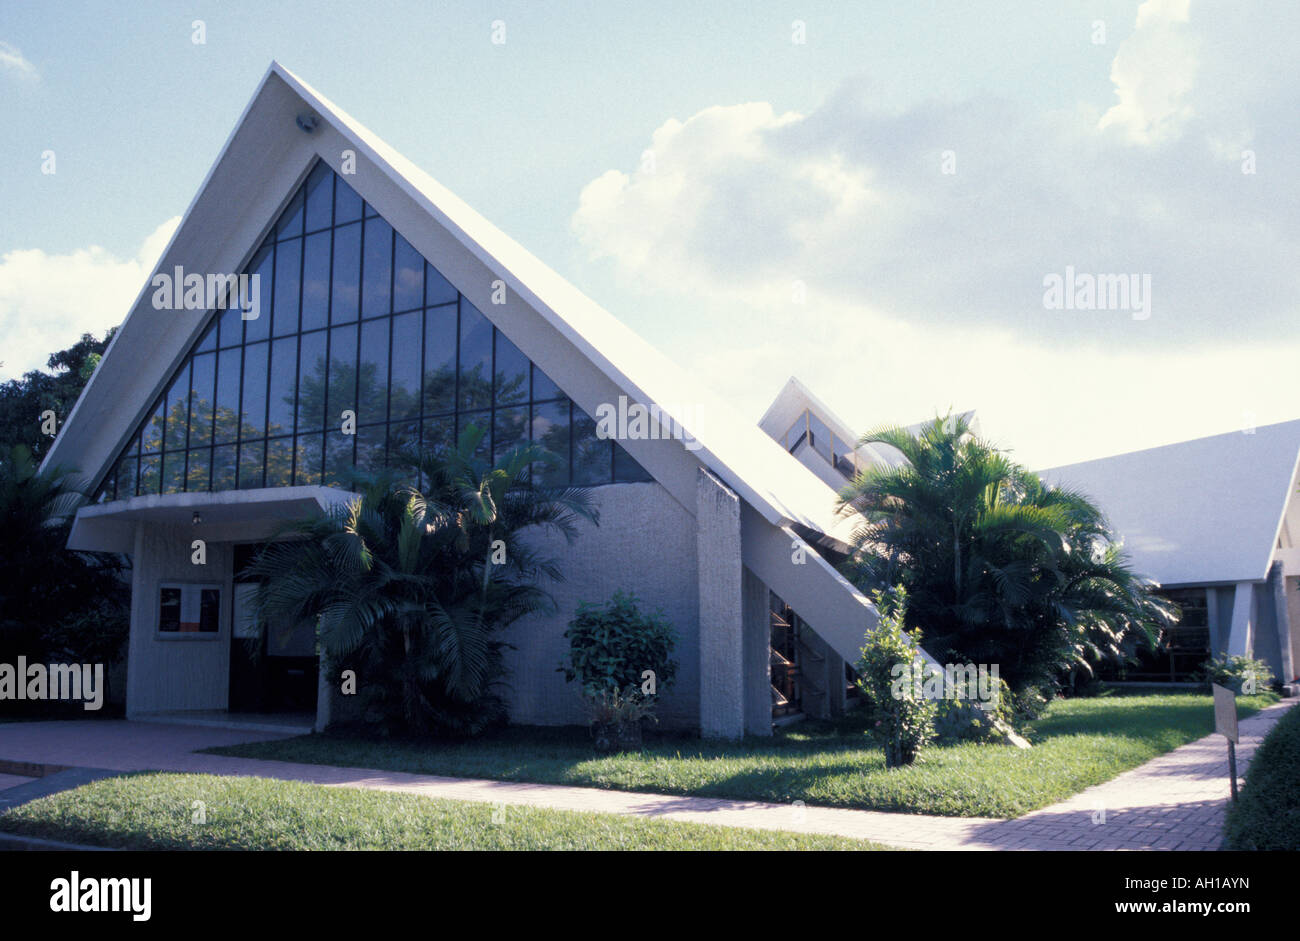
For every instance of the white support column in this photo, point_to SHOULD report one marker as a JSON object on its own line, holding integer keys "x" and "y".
{"x": 1277, "y": 595}
{"x": 722, "y": 648}
{"x": 1243, "y": 606}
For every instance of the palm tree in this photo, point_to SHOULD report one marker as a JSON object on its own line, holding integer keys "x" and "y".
{"x": 53, "y": 601}
{"x": 411, "y": 586}
{"x": 999, "y": 567}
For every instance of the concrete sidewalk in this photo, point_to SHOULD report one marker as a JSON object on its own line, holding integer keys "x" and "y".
{"x": 1175, "y": 801}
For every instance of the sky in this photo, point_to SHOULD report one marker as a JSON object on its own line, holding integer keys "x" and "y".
{"x": 903, "y": 204}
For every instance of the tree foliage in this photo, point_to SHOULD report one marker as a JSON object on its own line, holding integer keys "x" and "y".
{"x": 413, "y": 586}
{"x": 999, "y": 566}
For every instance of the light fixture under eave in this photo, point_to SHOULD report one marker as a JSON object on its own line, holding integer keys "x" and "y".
{"x": 306, "y": 121}
{"x": 197, "y": 518}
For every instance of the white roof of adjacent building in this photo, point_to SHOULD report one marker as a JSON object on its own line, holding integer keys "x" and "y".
{"x": 215, "y": 232}
{"x": 1201, "y": 511}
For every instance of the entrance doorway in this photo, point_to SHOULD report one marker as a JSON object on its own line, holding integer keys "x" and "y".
{"x": 273, "y": 668}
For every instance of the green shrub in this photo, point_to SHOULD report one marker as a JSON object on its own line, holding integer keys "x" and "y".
{"x": 612, "y": 645}
{"x": 1267, "y": 815}
{"x": 1242, "y": 675}
{"x": 966, "y": 720}
{"x": 904, "y": 718}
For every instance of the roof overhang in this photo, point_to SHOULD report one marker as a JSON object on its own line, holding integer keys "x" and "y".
{"x": 260, "y": 166}
{"x": 224, "y": 516}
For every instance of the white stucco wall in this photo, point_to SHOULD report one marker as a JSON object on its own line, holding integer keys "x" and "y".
{"x": 645, "y": 543}
{"x": 180, "y": 671}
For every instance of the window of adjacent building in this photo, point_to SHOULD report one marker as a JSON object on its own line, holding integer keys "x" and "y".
{"x": 352, "y": 319}
{"x": 189, "y": 609}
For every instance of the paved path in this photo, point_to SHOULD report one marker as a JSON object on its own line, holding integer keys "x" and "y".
{"x": 1175, "y": 801}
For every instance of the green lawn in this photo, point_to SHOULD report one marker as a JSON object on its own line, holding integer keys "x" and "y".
{"x": 157, "y": 811}
{"x": 1077, "y": 743}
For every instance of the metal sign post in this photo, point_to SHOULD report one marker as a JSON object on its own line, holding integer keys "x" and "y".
{"x": 1225, "y": 723}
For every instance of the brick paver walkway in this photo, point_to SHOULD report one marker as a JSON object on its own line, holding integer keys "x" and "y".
{"x": 1175, "y": 801}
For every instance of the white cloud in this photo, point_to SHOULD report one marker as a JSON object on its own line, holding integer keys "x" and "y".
{"x": 1153, "y": 73}
{"x": 1051, "y": 406}
{"x": 925, "y": 289}
{"x": 13, "y": 61}
{"x": 47, "y": 301}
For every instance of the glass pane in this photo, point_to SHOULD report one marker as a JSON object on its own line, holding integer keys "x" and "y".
{"x": 592, "y": 456}
{"x": 626, "y": 467}
{"x": 408, "y": 276}
{"x": 437, "y": 289}
{"x": 821, "y": 436}
{"x": 224, "y": 467}
{"x": 482, "y": 421}
{"x": 150, "y": 473}
{"x": 307, "y": 460}
{"x": 311, "y": 382}
{"x": 511, "y": 430}
{"x": 151, "y": 439}
{"x": 227, "y": 411}
{"x": 439, "y": 360}
{"x": 284, "y": 362}
{"x": 403, "y": 443}
{"x": 290, "y": 223}
{"x": 127, "y": 469}
{"x": 338, "y": 459}
{"x": 288, "y": 258}
{"x": 178, "y": 407}
{"x": 439, "y": 435}
{"x": 550, "y": 429}
{"x": 320, "y": 196}
{"x": 209, "y": 341}
{"x": 511, "y": 372}
{"x": 372, "y": 373}
{"x": 370, "y": 448}
{"x": 345, "y": 292}
{"x": 204, "y": 379}
{"x": 254, "y": 397}
{"x": 475, "y": 358}
{"x": 173, "y": 472}
{"x": 209, "y": 610}
{"x": 343, "y": 375}
{"x": 232, "y": 327}
{"x": 316, "y": 281}
{"x": 199, "y": 470}
{"x": 259, "y": 327}
{"x": 377, "y": 272}
{"x": 543, "y": 387}
{"x": 404, "y": 387}
{"x": 250, "y": 464}
{"x": 279, "y": 462}
{"x": 169, "y": 610}
{"x": 347, "y": 204}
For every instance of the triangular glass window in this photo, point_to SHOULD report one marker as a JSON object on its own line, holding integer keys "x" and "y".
{"x": 351, "y": 319}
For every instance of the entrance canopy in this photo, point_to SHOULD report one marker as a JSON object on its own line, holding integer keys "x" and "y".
{"x": 223, "y": 515}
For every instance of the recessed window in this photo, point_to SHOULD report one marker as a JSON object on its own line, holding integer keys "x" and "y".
{"x": 189, "y": 609}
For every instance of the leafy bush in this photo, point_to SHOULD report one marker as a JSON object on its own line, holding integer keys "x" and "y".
{"x": 1241, "y": 674}
{"x": 904, "y": 718}
{"x": 966, "y": 720}
{"x": 612, "y": 645}
{"x": 1267, "y": 815}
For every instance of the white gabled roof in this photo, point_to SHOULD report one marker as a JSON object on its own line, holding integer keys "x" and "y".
{"x": 263, "y": 159}
{"x": 1201, "y": 511}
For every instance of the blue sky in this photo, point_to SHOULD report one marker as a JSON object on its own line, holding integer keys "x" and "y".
{"x": 817, "y": 164}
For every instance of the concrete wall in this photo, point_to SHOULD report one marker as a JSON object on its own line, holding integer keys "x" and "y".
{"x": 645, "y": 543}
{"x": 181, "y": 671}
{"x": 722, "y": 637}
{"x": 756, "y": 606}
